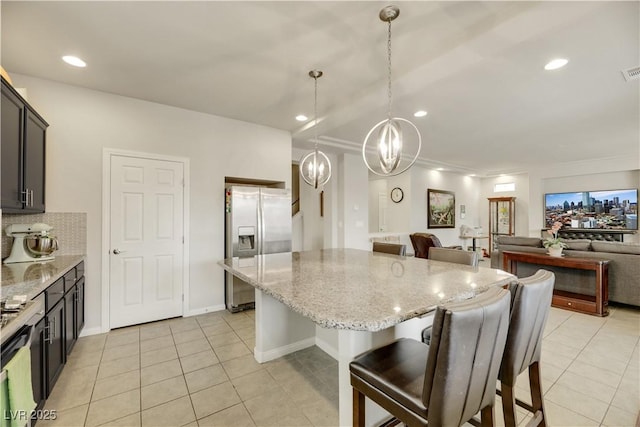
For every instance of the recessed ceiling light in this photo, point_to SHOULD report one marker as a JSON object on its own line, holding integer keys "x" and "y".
{"x": 420, "y": 113}
{"x": 472, "y": 174}
{"x": 74, "y": 60}
{"x": 439, "y": 169}
{"x": 302, "y": 118}
{"x": 556, "y": 63}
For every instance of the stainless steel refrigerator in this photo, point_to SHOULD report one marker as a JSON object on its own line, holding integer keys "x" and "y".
{"x": 257, "y": 221}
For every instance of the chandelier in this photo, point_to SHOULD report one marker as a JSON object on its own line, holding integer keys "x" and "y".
{"x": 387, "y": 150}
{"x": 315, "y": 167}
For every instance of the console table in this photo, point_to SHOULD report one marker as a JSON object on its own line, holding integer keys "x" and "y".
{"x": 597, "y": 305}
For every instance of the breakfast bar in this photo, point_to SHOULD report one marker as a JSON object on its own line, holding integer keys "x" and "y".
{"x": 347, "y": 301}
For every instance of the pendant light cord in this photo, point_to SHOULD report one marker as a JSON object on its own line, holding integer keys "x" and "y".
{"x": 315, "y": 112}
{"x": 389, "y": 69}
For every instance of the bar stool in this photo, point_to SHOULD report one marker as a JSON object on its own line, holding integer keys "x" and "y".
{"x": 454, "y": 255}
{"x": 449, "y": 255}
{"x": 389, "y": 248}
{"x": 447, "y": 382}
{"x": 530, "y": 305}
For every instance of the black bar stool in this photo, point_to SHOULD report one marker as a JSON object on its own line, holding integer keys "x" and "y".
{"x": 530, "y": 305}
{"x": 447, "y": 382}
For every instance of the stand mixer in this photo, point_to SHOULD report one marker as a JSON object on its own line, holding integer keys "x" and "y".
{"x": 31, "y": 243}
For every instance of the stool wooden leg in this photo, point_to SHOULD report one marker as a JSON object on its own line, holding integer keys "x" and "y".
{"x": 486, "y": 417}
{"x": 508, "y": 405}
{"x": 536, "y": 393}
{"x": 358, "y": 408}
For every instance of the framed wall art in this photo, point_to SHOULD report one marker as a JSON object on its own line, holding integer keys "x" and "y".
{"x": 441, "y": 209}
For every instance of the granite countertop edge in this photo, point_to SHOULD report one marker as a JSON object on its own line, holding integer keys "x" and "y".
{"x": 370, "y": 326}
{"x": 55, "y": 269}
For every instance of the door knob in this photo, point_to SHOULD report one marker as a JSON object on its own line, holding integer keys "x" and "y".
{"x": 118, "y": 251}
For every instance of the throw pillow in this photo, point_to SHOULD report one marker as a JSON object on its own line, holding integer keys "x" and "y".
{"x": 616, "y": 247}
{"x": 578, "y": 244}
{"x": 535, "y": 242}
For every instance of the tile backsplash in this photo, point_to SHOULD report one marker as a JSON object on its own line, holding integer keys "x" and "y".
{"x": 69, "y": 227}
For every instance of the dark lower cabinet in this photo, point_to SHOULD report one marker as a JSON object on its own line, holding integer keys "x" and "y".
{"x": 55, "y": 335}
{"x": 69, "y": 326}
{"x": 38, "y": 363}
{"x": 79, "y": 306}
{"x": 55, "y": 347}
{"x": 74, "y": 313}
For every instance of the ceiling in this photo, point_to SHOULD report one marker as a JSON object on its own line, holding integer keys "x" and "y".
{"x": 476, "y": 67}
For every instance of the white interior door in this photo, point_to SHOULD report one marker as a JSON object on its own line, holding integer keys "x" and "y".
{"x": 146, "y": 240}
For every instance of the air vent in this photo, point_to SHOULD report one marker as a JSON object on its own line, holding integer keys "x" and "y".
{"x": 631, "y": 73}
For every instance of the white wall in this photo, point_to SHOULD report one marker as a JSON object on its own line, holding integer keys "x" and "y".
{"x": 353, "y": 199}
{"x": 377, "y": 186}
{"x": 521, "y": 193}
{"x": 83, "y": 122}
{"x": 399, "y": 214}
{"x": 467, "y": 192}
{"x": 318, "y": 232}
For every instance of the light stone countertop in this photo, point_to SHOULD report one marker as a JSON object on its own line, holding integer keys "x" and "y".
{"x": 31, "y": 278}
{"x": 361, "y": 290}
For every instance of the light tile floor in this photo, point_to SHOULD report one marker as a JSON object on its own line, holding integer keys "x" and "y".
{"x": 199, "y": 371}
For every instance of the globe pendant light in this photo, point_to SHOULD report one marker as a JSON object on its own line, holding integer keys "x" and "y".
{"x": 387, "y": 150}
{"x": 315, "y": 167}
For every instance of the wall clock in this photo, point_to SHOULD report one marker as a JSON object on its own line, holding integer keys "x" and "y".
{"x": 397, "y": 195}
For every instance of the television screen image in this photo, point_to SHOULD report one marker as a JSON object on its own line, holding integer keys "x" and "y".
{"x": 609, "y": 209}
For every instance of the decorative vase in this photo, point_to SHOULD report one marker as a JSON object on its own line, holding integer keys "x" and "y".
{"x": 555, "y": 251}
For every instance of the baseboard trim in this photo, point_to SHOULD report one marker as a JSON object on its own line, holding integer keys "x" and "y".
{"x": 327, "y": 348}
{"x": 91, "y": 331}
{"x": 205, "y": 310}
{"x": 275, "y": 353}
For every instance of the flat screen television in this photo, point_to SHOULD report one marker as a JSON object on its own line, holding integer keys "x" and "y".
{"x": 608, "y": 209}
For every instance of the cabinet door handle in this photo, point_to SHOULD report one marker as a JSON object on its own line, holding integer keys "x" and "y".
{"x": 54, "y": 329}
{"x": 25, "y": 193}
{"x": 31, "y": 191}
{"x": 47, "y": 332}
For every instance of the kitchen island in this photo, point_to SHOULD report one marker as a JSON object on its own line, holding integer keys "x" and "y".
{"x": 347, "y": 301}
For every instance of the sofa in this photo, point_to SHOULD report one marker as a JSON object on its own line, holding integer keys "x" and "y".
{"x": 624, "y": 266}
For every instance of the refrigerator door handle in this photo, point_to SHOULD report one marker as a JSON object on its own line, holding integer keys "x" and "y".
{"x": 260, "y": 224}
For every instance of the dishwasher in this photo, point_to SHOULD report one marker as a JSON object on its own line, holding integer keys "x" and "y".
{"x": 22, "y": 338}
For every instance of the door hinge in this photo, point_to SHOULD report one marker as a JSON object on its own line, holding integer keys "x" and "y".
{"x": 183, "y": 240}
{"x": 182, "y": 297}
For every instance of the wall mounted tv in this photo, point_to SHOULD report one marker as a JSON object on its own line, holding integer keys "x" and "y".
{"x": 608, "y": 210}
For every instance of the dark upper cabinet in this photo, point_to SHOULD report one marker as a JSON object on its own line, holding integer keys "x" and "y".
{"x": 34, "y": 145}
{"x": 23, "y": 150}
{"x": 11, "y": 134}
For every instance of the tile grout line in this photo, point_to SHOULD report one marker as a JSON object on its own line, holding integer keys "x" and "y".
{"x": 610, "y": 403}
